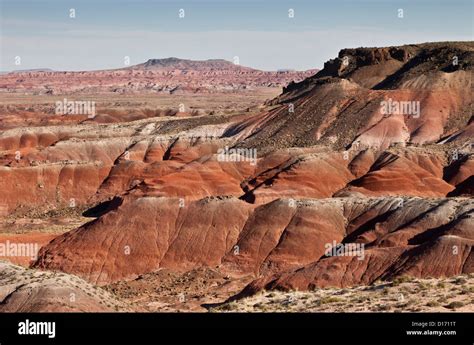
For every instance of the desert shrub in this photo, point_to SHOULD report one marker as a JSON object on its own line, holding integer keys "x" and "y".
{"x": 460, "y": 281}
{"x": 402, "y": 279}
{"x": 330, "y": 299}
{"x": 433, "y": 304}
{"x": 455, "y": 305}
{"x": 383, "y": 307}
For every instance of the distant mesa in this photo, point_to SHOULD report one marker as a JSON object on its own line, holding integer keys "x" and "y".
{"x": 185, "y": 64}
{"x": 30, "y": 70}
{"x": 168, "y": 75}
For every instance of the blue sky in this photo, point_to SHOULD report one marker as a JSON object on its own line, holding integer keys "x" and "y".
{"x": 259, "y": 32}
